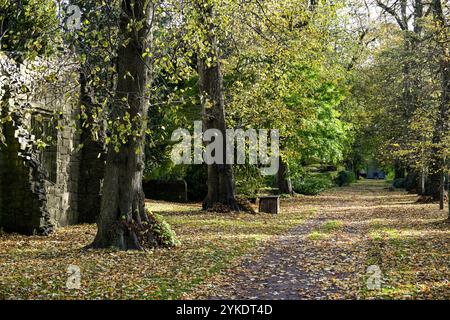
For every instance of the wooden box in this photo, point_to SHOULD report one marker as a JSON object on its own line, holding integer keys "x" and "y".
{"x": 269, "y": 204}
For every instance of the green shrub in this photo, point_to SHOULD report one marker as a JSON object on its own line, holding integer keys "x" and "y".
{"x": 248, "y": 180}
{"x": 344, "y": 178}
{"x": 390, "y": 175}
{"x": 165, "y": 170}
{"x": 155, "y": 232}
{"x": 312, "y": 184}
{"x": 165, "y": 236}
{"x": 270, "y": 181}
{"x": 399, "y": 183}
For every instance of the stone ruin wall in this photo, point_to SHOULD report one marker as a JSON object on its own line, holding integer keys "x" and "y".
{"x": 32, "y": 199}
{"x": 62, "y": 194}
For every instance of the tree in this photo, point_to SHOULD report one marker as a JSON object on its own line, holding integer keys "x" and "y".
{"x": 281, "y": 74}
{"x": 123, "y": 222}
{"x": 412, "y": 33}
{"x": 441, "y": 128}
{"x": 284, "y": 178}
{"x": 220, "y": 182}
{"x": 29, "y": 27}
{"x": 425, "y": 33}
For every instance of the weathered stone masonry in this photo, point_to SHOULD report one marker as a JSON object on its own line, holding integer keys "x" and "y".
{"x": 23, "y": 200}
{"x": 43, "y": 190}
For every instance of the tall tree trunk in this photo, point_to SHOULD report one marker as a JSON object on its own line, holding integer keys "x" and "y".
{"x": 422, "y": 180}
{"x": 444, "y": 113}
{"x": 442, "y": 191}
{"x": 123, "y": 213}
{"x": 220, "y": 183}
{"x": 448, "y": 195}
{"x": 436, "y": 184}
{"x": 433, "y": 182}
{"x": 283, "y": 179}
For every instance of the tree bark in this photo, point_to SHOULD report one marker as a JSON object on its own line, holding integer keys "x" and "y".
{"x": 436, "y": 184}
{"x": 448, "y": 195}
{"x": 442, "y": 191}
{"x": 283, "y": 179}
{"x": 220, "y": 183}
{"x": 123, "y": 212}
{"x": 422, "y": 180}
{"x": 444, "y": 112}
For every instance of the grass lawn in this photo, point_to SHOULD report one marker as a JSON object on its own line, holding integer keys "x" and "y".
{"x": 36, "y": 267}
{"x": 348, "y": 230}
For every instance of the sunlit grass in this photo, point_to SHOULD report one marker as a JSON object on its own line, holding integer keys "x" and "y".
{"x": 325, "y": 230}
{"x": 384, "y": 233}
{"x": 331, "y": 225}
{"x": 411, "y": 252}
{"x": 316, "y": 235}
{"x": 36, "y": 267}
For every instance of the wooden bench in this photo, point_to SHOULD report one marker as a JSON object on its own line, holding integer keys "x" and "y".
{"x": 269, "y": 204}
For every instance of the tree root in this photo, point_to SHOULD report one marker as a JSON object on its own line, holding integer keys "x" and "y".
{"x": 154, "y": 233}
{"x": 240, "y": 205}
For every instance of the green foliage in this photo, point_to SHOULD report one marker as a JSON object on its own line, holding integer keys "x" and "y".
{"x": 312, "y": 184}
{"x": 165, "y": 170}
{"x": 291, "y": 82}
{"x": 390, "y": 175}
{"x": 331, "y": 225}
{"x": 165, "y": 236}
{"x": 345, "y": 178}
{"x": 248, "y": 180}
{"x": 400, "y": 90}
{"x": 29, "y": 26}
